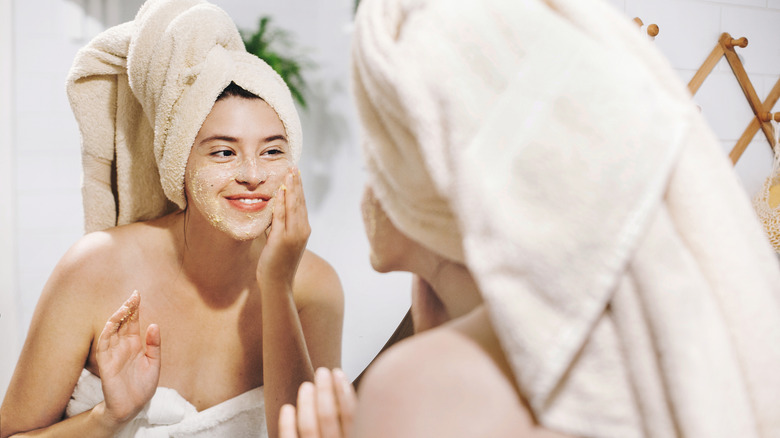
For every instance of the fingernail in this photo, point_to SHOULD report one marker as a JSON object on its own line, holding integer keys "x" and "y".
{"x": 306, "y": 388}
{"x": 341, "y": 377}
{"x": 287, "y": 410}
{"x": 321, "y": 374}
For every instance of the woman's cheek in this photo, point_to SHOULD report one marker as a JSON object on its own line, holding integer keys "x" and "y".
{"x": 205, "y": 184}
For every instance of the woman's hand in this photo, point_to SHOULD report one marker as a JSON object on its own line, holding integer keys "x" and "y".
{"x": 129, "y": 366}
{"x": 289, "y": 232}
{"x": 325, "y": 408}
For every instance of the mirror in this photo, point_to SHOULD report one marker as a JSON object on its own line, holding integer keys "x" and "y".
{"x": 45, "y": 169}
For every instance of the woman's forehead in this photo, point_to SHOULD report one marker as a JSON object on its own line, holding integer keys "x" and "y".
{"x": 241, "y": 117}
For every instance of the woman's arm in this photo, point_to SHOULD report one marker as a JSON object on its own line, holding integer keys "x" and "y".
{"x": 320, "y": 301}
{"x": 56, "y": 351}
{"x": 294, "y": 324}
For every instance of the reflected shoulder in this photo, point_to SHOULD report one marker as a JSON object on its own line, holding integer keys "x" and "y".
{"x": 316, "y": 279}
{"x": 440, "y": 383}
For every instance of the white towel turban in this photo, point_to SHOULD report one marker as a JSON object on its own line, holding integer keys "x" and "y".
{"x": 140, "y": 92}
{"x": 553, "y": 150}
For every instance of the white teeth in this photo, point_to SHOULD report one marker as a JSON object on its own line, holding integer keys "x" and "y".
{"x": 250, "y": 200}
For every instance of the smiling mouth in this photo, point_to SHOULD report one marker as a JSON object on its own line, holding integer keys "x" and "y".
{"x": 248, "y": 204}
{"x": 250, "y": 201}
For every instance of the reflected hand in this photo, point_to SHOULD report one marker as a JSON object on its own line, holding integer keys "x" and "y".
{"x": 129, "y": 366}
{"x": 325, "y": 408}
{"x": 289, "y": 232}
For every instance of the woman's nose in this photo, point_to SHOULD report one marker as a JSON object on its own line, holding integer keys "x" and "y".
{"x": 250, "y": 173}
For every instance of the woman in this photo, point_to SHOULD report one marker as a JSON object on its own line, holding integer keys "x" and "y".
{"x": 573, "y": 220}
{"x": 230, "y": 313}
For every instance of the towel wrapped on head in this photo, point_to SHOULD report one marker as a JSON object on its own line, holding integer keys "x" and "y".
{"x": 549, "y": 147}
{"x": 140, "y": 92}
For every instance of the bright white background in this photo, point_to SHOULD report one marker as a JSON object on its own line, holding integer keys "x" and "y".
{"x": 40, "y": 200}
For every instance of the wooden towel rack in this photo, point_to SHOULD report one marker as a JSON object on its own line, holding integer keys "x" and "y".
{"x": 762, "y": 110}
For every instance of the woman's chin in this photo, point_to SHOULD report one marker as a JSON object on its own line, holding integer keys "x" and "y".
{"x": 245, "y": 231}
{"x": 380, "y": 264}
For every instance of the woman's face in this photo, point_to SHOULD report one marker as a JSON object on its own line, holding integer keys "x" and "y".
{"x": 236, "y": 165}
{"x": 390, "y": 248}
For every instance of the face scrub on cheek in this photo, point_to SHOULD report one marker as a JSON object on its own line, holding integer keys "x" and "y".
{"x": 200, "y": 200}
{"x": 211, "y": 183}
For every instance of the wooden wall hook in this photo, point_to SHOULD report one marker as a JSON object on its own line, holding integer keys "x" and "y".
{"x": 737, "y": 42}
{"x": 652, "y": 29}
{"x": 768, "y": 117}
{"x": 761, "y": 110}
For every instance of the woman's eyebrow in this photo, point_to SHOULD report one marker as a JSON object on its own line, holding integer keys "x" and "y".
{"x": 274, "y": 138}
{"x": 226, "y": 138}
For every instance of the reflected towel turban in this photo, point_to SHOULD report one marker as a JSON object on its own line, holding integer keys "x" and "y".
{"x": 140, "y": 92}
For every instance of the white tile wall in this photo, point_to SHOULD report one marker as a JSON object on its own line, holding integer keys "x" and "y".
{"x": 47, "y": 162}
{"x": 762, "y": 29}
{"x": 769, "y": 82}
{"x": 759, "y": 3}
{"x": 754, "y": 165}
{"x": 724, "y": 105}
{"x": 689, "y": 29}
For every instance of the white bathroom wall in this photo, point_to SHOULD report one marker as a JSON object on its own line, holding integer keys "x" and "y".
{"x": 46, "y": 171}
{"x": 9, "y": 343}
{"x": 45, "y": 162}
{"x": 689, "y": 30}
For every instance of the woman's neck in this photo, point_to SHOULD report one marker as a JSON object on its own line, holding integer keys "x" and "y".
{"x": 212, "y": 261}
{"x": 453, "y": 284}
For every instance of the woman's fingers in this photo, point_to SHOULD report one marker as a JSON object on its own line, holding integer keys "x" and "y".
{"x": 128, "y": 324}
{"x": 122, "y": 322}
{"x": 327, "y": 409}
{"x": 296, "y": 204}
{"x": 153, "y": 343}
{"x": 307, "y": 412}
{"x": 280, "y": 210}
{"x": 347, "y": 399}
{"x": 287, "y": 426}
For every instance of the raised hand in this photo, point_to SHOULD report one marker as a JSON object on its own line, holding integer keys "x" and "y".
{"x": 288, "y": 233}
{"x": 325, "y": 408}
{"x": 129, "y": 365}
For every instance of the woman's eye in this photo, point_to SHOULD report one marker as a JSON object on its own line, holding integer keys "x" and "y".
{"x": 223, "y": 153}
{"x": 273, "y": 152}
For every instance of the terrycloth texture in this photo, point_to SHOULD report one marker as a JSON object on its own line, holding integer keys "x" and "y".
{"x": 168, "y": 414}
{"x": 140, "y": 92}
{"x": 550, "y": 147}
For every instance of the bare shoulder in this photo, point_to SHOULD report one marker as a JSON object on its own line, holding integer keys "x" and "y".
{"x": 61, "y": 333}
{"x": 85, "y": 263}
{"x": 97, "y": 257}
{"x": 316, "y": 280}
{"x": 92, "y": 274}
{"x": 447, "y": 381}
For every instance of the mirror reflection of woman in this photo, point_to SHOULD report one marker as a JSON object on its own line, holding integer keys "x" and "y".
{"x": 203, "y": 321}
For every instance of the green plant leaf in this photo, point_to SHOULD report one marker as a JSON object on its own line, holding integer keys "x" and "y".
{"x": 268, "y": 44}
